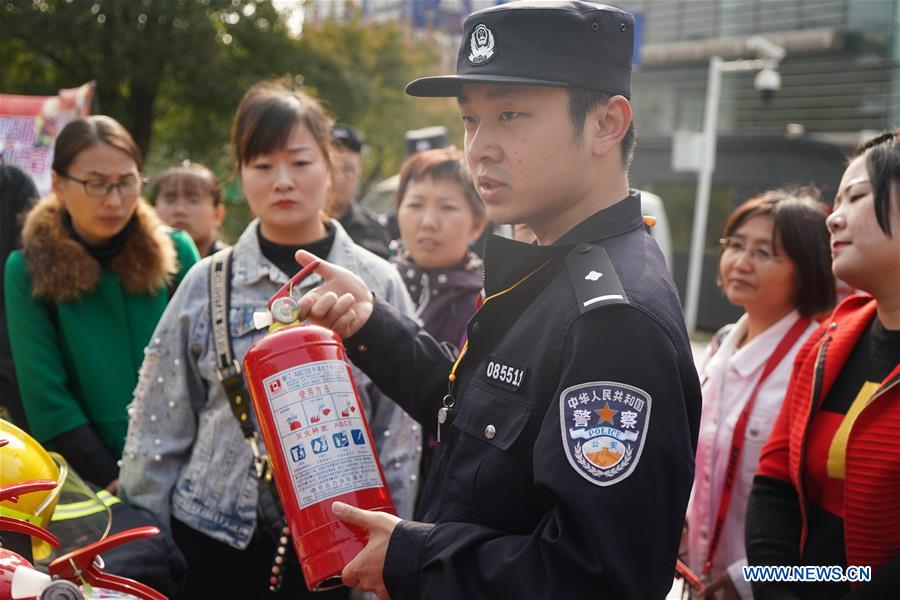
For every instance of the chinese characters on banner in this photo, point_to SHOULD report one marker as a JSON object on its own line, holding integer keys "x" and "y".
{"x": 29, "y": 125}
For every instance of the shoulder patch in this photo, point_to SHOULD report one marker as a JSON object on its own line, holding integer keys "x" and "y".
{"x": 594, "y": 277}
{"x": 604, "y": 425}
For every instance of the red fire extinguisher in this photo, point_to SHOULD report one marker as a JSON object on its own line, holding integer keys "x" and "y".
{"x": 318, "y": 440}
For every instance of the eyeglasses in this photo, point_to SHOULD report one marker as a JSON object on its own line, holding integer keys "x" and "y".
{"x": 129, "y": 186}
{"x": 734, "y": 247}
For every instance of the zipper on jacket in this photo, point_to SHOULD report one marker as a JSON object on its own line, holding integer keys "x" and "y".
{"x": 451, "y": 449}
{"x": 818, "y": 376}
{"x": 880, "y": 392}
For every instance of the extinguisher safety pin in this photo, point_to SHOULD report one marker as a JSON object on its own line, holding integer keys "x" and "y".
{"x": 77, "y": 572}
{"x": 288, "y": 288}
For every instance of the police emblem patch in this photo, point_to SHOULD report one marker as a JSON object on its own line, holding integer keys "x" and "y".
{"x": 604, "y": 425}
{"x": 481, "y": 45}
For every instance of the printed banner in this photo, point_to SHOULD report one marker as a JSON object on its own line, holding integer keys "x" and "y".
{"x": 29, "y": 125}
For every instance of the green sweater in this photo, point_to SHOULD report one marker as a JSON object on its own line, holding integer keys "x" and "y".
{"x": 77, "y": 362}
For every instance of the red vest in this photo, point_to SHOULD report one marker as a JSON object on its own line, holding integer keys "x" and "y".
{"x": 872, "y": 481}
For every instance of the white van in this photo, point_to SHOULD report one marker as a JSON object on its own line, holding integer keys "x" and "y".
{"x": 652, "y": 205}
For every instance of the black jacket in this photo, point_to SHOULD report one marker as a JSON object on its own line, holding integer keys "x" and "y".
{"x": 567, "y": 457}
{"x": 17, "y": 195}
{"x": 365, "y": 230}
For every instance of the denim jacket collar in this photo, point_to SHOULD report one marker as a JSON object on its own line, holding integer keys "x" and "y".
{"x": 250, "y": 265}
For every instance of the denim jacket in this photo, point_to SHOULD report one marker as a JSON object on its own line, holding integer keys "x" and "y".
{"x": 185, "y": 456}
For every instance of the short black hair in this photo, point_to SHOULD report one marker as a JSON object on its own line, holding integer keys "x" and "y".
{"x": 187, "y": 173}
{"x": 84, "y": 132}
{"x": 582, "y": 101}
{"x": 267, "y": 115}
{"x": 882, "y": 156}
{"x": 800, "y": 230}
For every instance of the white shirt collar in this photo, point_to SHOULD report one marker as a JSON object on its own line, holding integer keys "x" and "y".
{"x": 752, "y": 356}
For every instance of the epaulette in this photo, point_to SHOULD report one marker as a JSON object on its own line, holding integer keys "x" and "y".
{"x": 594, "y": 277}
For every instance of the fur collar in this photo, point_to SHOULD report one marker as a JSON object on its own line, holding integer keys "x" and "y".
{"x": 61, "y": 270}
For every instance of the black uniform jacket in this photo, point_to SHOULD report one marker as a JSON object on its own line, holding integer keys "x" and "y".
{"x": 365, "y": 230}
{"x": 566, "y": 461}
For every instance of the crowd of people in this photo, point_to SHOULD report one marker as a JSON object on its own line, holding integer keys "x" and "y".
{"x": 509, "y": 398}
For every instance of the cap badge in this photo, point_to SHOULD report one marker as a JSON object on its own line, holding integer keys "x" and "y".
{"x": 481, "y": 45}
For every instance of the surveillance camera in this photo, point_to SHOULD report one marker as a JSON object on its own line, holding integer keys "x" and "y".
{"x": 766, "y": 48}
{"x": 767, "y": 82}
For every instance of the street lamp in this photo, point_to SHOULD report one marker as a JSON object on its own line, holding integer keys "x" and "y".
{"x": 767, "y": 82}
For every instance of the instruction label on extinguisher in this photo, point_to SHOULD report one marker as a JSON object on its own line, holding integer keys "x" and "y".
{"x": 323, "y": 436}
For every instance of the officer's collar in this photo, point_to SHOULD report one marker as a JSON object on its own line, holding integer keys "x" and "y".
{"x": 507, "y": 261}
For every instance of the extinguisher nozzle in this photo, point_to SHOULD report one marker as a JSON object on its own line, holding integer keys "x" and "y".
{"x": 28, "y": 583}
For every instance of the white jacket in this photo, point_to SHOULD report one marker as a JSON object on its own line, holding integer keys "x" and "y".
{"x": 727, "y": 378}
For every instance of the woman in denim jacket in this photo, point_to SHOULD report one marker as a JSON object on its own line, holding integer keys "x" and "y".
{"x": 185, "y": 458}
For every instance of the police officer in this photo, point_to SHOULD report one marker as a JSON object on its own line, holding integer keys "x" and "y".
{"x": 568, "y": 422}
{"x": 359, "y": 223}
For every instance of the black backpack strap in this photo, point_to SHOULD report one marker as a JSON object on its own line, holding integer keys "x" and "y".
{"x": 228, "y": 369}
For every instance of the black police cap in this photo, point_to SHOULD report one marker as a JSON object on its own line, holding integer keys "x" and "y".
{"x": 541, "y": 42}
{"x": 427, "y": 138}
{"x": 348, "y": 137}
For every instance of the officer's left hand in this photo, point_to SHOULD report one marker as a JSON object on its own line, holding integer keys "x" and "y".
{"x": 365, "y": 572}
{"x": 722, "y": 582}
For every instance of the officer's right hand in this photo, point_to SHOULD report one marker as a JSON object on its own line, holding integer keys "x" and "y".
{"x": 342, "y": 302}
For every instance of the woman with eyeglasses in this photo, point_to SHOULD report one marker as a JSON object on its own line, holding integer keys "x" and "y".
{"x": 84, "y": 294}
{"x": 827, "y": 491}
{"x": 775, "y": 264}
